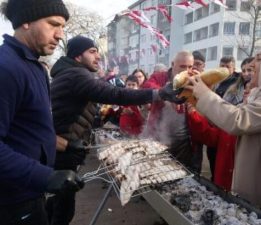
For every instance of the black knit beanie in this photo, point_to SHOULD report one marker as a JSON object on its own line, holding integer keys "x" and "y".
{"x": 77, "y": 45}
{"x": 24, "y": 11}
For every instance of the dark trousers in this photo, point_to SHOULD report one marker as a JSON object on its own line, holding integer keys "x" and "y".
{"x": 211, "y": 153}
{"x": 197, "y": 158}
{"x": 61, "y": 208}
{"x": 182, "y": 151}
{"x": 27, "y": 213}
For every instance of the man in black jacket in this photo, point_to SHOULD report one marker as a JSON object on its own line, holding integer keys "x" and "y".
{"x": 74, "y": 92}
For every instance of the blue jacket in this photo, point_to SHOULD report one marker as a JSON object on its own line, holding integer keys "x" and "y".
{"x": 27, "y": 137}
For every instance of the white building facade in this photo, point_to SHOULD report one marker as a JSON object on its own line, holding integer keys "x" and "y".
{"x": 215, "y": 31}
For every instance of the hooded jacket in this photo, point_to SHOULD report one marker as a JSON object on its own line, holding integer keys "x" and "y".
{"x": 74, "y": 92}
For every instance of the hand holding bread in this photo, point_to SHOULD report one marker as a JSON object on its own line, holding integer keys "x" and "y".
{"x": 210, "y": 77}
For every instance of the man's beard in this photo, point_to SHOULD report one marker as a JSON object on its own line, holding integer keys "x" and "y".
{"x": 92, "y": 69}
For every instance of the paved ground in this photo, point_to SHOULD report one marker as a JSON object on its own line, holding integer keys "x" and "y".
{"x": 136, "y": 212}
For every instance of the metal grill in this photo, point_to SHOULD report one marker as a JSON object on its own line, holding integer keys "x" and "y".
{"x": 135, "y": 167}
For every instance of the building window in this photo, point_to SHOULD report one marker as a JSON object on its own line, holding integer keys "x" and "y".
{"x": 189, "y": 18}
{"x": 244, "y": 28}
{"x": 188, "y": 38}
{"x": 133, "y": 41}
{"x": 229, "y": 28}
{"x": 242, "y": 53}
{"x": 213, "y": 30}
{"x": 201, "y": 34}
{"x": 212, "y": 53}
{"x": 231, "y": 5}
{"x": 134, "y": 28}
{"x": 201, "y": 13}
{"x": 214, "y": 8}
{"x": 144, "y": 5}
{"x": 258, "y": 30}
{"x": 143, "y": 38}
{"x": 124, "y": 42}
{"x": 198, "y": 14}
{"x": 245, "y": 6}
{"x": 205, "y": 11}
{"x": 227, "y": 51}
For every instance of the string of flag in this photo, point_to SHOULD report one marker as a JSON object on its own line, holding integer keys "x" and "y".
{"x": 139, "y": 17}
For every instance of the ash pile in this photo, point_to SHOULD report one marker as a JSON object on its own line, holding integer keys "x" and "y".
{"x": 204, "y": 207}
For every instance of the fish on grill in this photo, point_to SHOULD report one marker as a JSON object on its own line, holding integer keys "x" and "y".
{"x": 140, "y": 163}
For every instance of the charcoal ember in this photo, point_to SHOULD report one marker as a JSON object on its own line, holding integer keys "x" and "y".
{"x": 183, "y": 202}
{"x": 166, "y": 187}
{"x": 209, "y": 217}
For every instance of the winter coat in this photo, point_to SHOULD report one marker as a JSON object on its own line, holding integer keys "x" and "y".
{"x": 203, "y": 132}
{"x": 224, "y": 85}
{"x": 74, "y": 87}
{"x": 131, "y": 123}
{"x": 235, "y": 92}
{"x": 27, "y": 137}
{"x": 245, "y": 122}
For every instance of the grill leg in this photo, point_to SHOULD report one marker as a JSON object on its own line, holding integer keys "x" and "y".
{"x": 100, "y": 207}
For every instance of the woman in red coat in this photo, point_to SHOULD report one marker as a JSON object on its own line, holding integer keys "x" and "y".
{"x": 202, "y": 131}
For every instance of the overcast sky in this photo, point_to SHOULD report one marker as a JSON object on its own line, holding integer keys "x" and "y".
{"x": 106, "y": 8}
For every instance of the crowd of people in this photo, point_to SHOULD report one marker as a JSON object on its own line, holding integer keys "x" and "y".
{"x": 234, "y": 160}
{"x": 45, "y": 127}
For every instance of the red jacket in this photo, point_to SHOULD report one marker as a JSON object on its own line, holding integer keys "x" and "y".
{"x": 203, "y": 132}
{"x": 156, "y": 81}
{"x": 131, "y": 123}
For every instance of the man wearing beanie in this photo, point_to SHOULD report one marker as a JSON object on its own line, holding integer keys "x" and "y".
{"x": 27, "y": 136}
{"x": 74, "y": 94}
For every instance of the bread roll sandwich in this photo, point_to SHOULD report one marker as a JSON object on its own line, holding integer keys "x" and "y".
{"x": 209, "y": 77}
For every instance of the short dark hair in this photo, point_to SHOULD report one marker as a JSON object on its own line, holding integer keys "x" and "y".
{"x": 132, "y": 78}
{"x": 246, "y": 61}
{"x": 227, "y": 59}
{"x": 198, "y": 56}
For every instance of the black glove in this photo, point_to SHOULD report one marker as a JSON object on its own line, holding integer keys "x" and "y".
{"x": 168, "y": 94}
{"x": 63, "y": 181}
{"x": 78, "y": 150}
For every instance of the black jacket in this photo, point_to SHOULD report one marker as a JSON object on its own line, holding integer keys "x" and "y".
{"x": 74, "y": 86}
{"x": 224, "y": 85}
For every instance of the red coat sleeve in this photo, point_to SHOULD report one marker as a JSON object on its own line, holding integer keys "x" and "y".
{"x": 202, "y": 131}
